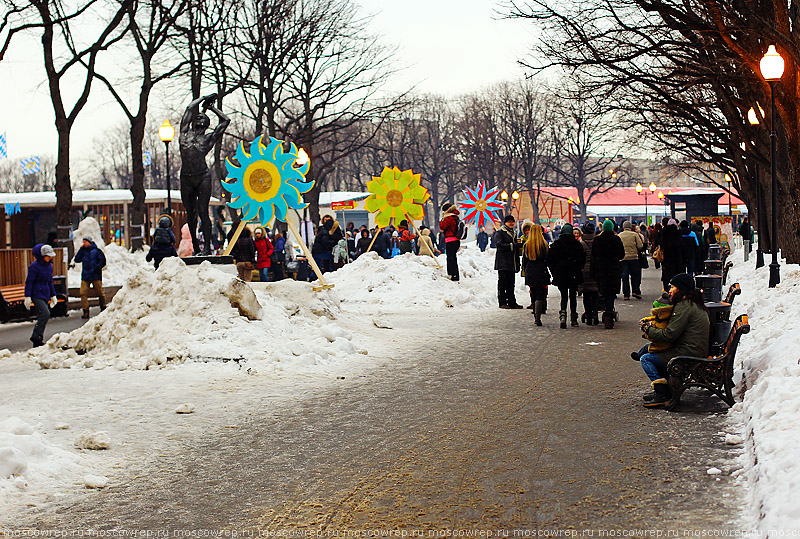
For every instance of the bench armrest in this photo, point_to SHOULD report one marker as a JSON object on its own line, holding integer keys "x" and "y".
{"x": 692, "y": 358}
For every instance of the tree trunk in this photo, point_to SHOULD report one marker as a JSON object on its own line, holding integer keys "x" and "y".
{"x": 64, "y": 188}
{"x": 138, "y": 221}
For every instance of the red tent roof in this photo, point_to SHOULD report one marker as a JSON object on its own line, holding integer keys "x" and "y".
{"x": 627, "y": 196}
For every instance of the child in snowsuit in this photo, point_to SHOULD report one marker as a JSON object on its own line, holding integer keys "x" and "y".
{"x": 163, "y": 242}
{"x": 659, "y": 318}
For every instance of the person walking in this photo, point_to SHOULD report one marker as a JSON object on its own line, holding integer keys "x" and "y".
{"x": 588, "y": 288}
{"x": 672, "y": 264}
{"x": 449, "y": 227}
{"x": 689, "y": 245}
{"x": 264, "y": 250}
{"x": 163, "y": 242}
{"x": 426, "y": 247}
{"x": 482, "y": 238}
{"x": 506, "y": 262}
{"x": 631, "y": 269}
{"x": 93, "y": 261}
{"x": 565, "y": 259}
{"x": 686, "y": 334}
{"x": 405, "y": 238}
{"x": 746, "y": 232}
{"x": 537, "y": 276}
{"x": 244, "y": 252}
{"x": 606, "y": 269}
{"x": 40, "y": 290}
{"x": 278, "y": 256}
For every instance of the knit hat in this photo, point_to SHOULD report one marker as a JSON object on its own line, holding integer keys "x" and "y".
{"x": 588, "y": 228}
{"x": 446, "y": 207}
{"x": 626, "y": 225}
{"x": 662, "y": 301}
{"x": 672, "y": 222}
{"x": 87, "y": 238}
{"x": 682, "y": 281}
{"x": 509, "y": 218}
{"x": 566, "y": 230}
{"x": 47, "y": 250}
{"x": 608, "y": 225}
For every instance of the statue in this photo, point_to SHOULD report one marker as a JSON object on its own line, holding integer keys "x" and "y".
{"x": 195, "y": 176}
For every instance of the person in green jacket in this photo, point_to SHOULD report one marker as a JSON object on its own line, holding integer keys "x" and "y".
{"x": 686, "y": 334}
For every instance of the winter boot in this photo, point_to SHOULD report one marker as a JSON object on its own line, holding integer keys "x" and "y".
{"x": 562, "y": 317}
{"x": 586, "y": 320}
{"x": 37, "y": 342}
{"x": 660, "y": 396}
{"x": 538, "y": 307}
{"x": 595, "y": 320}
{"x": 608, "y": 319}
{"x": 85, "y": 314}
{"x": 574, "y": 319}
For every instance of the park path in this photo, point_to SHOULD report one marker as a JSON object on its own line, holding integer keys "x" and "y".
{"x": 479, "y": 420}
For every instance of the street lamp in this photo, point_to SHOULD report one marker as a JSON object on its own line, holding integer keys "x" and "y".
{"x": 641, "y": 190}
{"x": 752, "y": 117}
{"x": 772, "y": 66}
{"x": 167, "y": 133}
{"x": 504, "y": 197}
{"x": 664, "y": 200}
{"x": 728, "y": 180}
{"x": 514, "y": 204}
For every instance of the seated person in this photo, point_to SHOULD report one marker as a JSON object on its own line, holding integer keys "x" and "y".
{"x": 685, "y": 334}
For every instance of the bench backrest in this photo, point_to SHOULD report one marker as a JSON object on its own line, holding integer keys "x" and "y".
{"x": 739, "y": 328}
{"x": 733, "y": 291}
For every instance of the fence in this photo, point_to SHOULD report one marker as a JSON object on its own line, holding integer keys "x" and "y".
{"x": 14, "y": 264}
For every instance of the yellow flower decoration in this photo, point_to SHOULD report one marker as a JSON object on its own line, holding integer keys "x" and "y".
{"x": 396, "y": 194}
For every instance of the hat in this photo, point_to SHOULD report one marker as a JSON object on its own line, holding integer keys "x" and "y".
{"x": 509, "y": 218}
{"x": 672, "y": 222}
{"x": 682, "y": 281}
{"x": 47, "y": 250}
{"x": 588, "y": 228}
{"x": 626, "y": 225}
{"x": 608, "y": 225}
{"x": 446, "y": 207}
{"x": 404, "y": 223}
{"x": 566, "y": 230}
{"x": 87, "y": 238}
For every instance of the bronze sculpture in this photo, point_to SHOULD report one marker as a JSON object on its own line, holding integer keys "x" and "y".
{"x": 194, "y": 144}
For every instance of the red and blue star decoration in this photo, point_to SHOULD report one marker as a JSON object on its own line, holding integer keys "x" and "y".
{"x": 481, "y": 204}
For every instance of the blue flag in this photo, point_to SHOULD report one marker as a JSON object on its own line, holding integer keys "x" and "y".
{"x": 12, "y": 208}
{"x": 3, "y": 146}
{"x": 146, "y": 159}
{"x": 31, "y": 165}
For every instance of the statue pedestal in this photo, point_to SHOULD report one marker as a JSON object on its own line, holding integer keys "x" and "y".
{"x": 223, "y": 263}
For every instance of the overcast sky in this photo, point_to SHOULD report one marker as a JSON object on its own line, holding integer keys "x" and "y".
{"x": 447, "y": 46}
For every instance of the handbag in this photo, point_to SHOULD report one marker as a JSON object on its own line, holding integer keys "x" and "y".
{"x": 643, "y": 260}
{"x": 658, "y": 254}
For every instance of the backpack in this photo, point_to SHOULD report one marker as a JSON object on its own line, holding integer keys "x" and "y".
{"x": 461, "y": 230}
{"x": 162, "y": 236}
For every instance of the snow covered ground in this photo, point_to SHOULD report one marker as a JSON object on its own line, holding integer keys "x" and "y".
{"x": 195, "y": 339}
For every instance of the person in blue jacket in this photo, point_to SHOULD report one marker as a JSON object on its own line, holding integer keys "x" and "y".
{"x": 93, "y": 261}
{"x": 39, "y": 289}
{"x": 163, "y": 242}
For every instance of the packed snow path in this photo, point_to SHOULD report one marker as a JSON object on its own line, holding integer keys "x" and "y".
{"x": 477, "y": 419}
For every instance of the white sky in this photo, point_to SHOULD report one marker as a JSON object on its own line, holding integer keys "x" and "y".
{"x": 446, "y": 46}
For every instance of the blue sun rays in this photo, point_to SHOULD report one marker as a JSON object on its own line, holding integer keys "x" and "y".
{"x": 292, "y": 181}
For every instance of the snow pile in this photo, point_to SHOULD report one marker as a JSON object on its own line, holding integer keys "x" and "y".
{"x": 767, "y": 370}
{"x": 28, "y": 462}
{"x": 182, "y": 313}
{"x": 412, "y": 282}
{"x": 120, "y": 262}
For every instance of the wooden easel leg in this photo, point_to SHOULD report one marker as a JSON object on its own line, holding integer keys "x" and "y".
{"x": 375, "y": 237}
{"x": 235, "y": 238}
{"x": 324, "y": 285}
{"x": 418, "y": 235}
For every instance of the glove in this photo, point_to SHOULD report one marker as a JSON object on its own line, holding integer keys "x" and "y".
{"x": 28, "y": 303}
{"x": 53, "y": 302}
{"x": 644, "y": 325}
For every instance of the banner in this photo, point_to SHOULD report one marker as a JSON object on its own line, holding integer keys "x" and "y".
{"x": 32, "y": 165}
{"x": 723, "y": 228}
{"x": 146, "y": 159}
{"x": 3, "y": 146}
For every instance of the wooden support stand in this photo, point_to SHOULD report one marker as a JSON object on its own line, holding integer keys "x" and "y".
{"x": 375, "y": 237}
{"x": 235, "y": 237}
{"x": 418, "y": 235}
{"x": 324, "y": 285}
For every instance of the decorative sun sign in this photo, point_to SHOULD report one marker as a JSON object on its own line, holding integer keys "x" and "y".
{"x": 481, "y": 204}
{"x": 396, "y": 194}
{"x": 267, "y": 181}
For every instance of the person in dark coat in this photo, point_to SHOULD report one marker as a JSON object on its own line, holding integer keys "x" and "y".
{"x": 244, "y": 252}
{"x": 363, "y": 243}
{"x": 278, "y": 256}
{"x": 606, "y": 269}
{"x": 671, "y": 247}
{"x": 591, "y": 296}
{"x": 689, "y": 245}
{"x": 482, "y": 238}
{"x": 40, "y": 290}
{"x": 506, "y": 262}
{"x": 93, "y": 261}
{"x": 710, "y": 235}
{"x": 381, "y": 244}
{"x": 537, "y": 276}
{"x": 746, "y": 232}
{"x": 163, "y": 242}
{"x": 565, "y": 260}
{"x": 322, "y": 250}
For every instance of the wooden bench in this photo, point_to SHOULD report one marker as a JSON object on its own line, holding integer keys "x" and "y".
{"x": 12, "y": 304}
{"x": 733, "y": 291}
{"x": 712, "y": 373}
{"x": 725, "y": 270}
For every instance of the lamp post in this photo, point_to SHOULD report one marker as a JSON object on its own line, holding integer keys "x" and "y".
{"x": 728, "y": 180}
{"x": 514, "y": 203}
{"x": 772, "y": 66}
{"x": 504, "y": 197}
{"x": 752, "y": 117}
{"x": 641, "y": 190}
{"x": 167, "y": 133}
{"x": 664, "y": 200}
